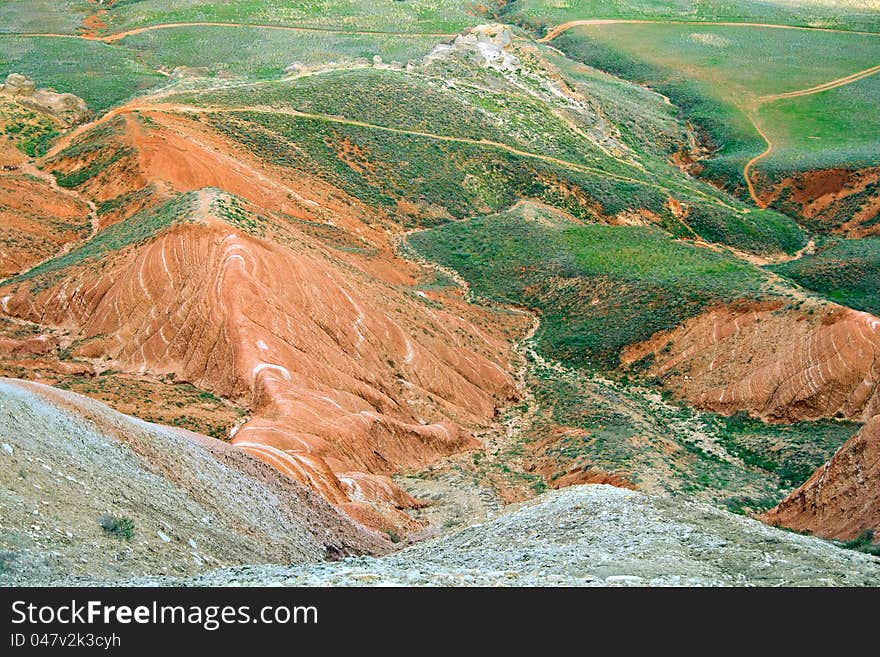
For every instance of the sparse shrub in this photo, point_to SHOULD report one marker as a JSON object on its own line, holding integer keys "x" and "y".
{"x": 864, "y": 543}
{"x": 120, "y": 527}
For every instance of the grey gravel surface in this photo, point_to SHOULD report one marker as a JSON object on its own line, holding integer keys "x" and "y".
{"x": 592, "y": 535}
{"x": 196, "y": 503}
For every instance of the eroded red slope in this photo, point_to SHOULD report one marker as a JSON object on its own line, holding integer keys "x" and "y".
{"x": 842, "y": 498}
{"x": 778, "y": 363}
{"x": 37, "y": 220}
{"x": 349, "y": 378}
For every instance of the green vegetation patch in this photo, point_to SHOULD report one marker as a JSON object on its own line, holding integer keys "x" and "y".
{"x": 439, "y": 179}
{"x": 265, "y": 53}
{"x": 57, "y": 16}
{"x": 791, "y": 451}
{"x": 841, "y": 14}
{"x": 118, "y": 527}
{"x": 100, "y": 74}
{"x": 716, "y": 75}
{"x": 31, "y": 132}
{"x": 97, "y": 150}
{"x": 380, "y": 15}
{"x": 230, "y": 209}
{"x": 844, "y": 271}
{"x": 835, "y": 128}
{"x": 598, "y": 288}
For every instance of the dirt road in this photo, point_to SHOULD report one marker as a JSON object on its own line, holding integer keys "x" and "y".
{"x": 554, "y": 32}
{"x": 118, "y": 36}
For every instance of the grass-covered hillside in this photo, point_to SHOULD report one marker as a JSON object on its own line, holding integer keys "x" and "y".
{"x": 597, "y": 288}
{"x": 724, "y": 78}
{"x": 385, "y": 136}
{"x": 840, "y": 14}
{"x": 101, "y": 74}
{"x": 845, "y": 271}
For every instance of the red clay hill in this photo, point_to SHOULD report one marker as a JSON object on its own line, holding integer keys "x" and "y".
{"x": 288, "y": 300}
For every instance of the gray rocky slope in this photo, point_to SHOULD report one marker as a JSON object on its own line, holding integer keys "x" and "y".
{"x": 591, "y": 535}
{"x": 196, "y": 503}
{"x": 201, "y": 508}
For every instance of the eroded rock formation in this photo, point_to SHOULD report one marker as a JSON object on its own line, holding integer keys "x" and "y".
{"x": 777, "y": 363}
{"x": 842, "y": 498}
{"x": 68, "y": 108}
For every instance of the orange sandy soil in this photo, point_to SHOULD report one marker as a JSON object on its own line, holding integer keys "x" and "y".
{"x": 348, "y": 374}
{"x": 819, "y": 195}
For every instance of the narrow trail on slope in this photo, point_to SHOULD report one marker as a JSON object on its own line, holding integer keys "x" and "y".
{"x": 763, "y": 100}
{"x": 751, "y": 163}
{"x": 29, "y": 168}
{"x": 173, "y": 107}
{"x": 825, "y": 86}
{"x": 554, "y": 32}
{"x": 118, "y": 36}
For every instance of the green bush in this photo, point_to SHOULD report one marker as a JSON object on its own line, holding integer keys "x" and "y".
{"x": 118, "y": 527}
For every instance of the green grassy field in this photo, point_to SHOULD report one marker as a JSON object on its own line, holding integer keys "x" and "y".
{"x": 845, "y": 271}
{"x": 598, "y": 288}
{"x": 718, "y": 74}
{"x": 839, "y": 127}
{"x": 261, "y": 53}
{"x": 791, "y": 451}
{"x": 382, "y": 15}
{"x": 56, "y": 16}
{"x": 843, "y": 14}
{"x": 101, "y": 75}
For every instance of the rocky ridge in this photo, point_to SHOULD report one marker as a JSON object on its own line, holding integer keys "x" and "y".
{"x": 69, "y": 464}
{"x": 590, "y": 535}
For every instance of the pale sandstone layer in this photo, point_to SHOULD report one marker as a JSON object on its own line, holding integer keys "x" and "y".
{"x": 193, "y": 502}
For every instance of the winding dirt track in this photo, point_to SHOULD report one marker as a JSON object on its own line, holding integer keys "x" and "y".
{"x": 554, "y": 32}
{"x": 173, "y": 107}
{"x": 751, "y": 163}
{"x": 819, "y": 88}
{"x": 752, "y": 112}
{"x": 118, "y": 36}
{"x": 825, "y": 86}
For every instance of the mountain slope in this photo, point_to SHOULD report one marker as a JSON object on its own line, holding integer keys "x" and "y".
{"x": 348, "y": 376}
{"x": 842, "y": 498}
{"x": 593, "y": 535}
{"x": 195, "y": 502}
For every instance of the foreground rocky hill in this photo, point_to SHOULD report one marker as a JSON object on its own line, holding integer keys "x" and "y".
{"x": 86, "y": 490}
{"x": 593, "y": 535}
